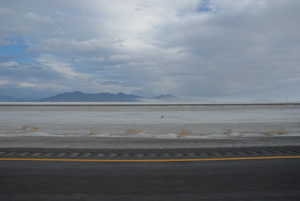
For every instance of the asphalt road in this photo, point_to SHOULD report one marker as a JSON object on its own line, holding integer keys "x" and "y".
{"x": 263, "y": 179}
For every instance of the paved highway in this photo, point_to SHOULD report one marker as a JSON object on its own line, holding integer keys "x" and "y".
{"x": 250, "y": 174}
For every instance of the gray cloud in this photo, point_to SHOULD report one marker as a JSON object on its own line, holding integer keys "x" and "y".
{"x": 244, "y": 49}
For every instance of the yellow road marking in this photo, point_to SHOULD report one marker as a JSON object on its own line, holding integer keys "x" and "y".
{"x": 148, "y": 160}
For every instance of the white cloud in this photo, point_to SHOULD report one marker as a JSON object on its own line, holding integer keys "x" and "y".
{"x": 123, "y": 57}
{"x": 3, "y": 82}
{"x": 189, "y": 48}
{"x": 28, "y": 85}
{"x": 8, "y": 64}
{"x": 37, "y": 18}
{"x": 98, "y": 59}
{"x": 54, "y": 64}
{"x": 4, "y": 11}
{"x": 6, "y": 42}
{"x": 68, "y": 45}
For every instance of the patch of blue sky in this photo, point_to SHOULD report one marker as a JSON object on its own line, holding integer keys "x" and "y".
{"x": 204, "y": 7}
{"x": 16, "y": 51}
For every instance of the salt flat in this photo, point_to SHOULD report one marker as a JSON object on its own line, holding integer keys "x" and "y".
{"x": 150, "y": 121}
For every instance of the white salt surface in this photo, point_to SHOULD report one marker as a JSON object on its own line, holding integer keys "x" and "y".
{"x": 150, "y": 121}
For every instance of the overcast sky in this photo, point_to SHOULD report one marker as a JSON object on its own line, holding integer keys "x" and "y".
{"x": 248, "y": 49}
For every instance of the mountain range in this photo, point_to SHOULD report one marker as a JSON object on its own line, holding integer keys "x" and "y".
{"x": 78, "y": 96}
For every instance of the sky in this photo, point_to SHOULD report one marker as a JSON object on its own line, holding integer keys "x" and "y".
{"x": 215, "y": 49}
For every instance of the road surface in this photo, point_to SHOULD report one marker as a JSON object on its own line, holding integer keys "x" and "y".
{"x": 222, "y": 174}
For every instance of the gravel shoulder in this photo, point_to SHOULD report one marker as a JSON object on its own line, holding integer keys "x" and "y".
{"x": 141, "y": 143}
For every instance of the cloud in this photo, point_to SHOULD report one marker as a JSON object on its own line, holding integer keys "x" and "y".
{"x": 37, "y": 18}
{"x": 28, "y": 85}
{"x": 53, "y": 64}
{"x": 6, "y": 42}
{"x": 8, "y": 64}
{"x": 3, "y": 82}
{"x": 204, "y": 48}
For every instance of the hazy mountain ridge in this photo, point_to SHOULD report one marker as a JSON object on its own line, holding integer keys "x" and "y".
{"x": 8, "y": 98}
{"x": 78, "y": 96}
{"x": 166, "y": 97}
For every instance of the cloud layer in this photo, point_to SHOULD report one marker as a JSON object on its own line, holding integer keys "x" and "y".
{"x": 204, "y": 48}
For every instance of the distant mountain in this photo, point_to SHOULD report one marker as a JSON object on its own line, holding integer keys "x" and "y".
{"x": 78, "y": 96}
{"x": 8, "y": 98}
{"x": 165, "y": 97}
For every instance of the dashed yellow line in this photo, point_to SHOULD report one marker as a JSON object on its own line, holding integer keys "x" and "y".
{"x": 147, "y": 160}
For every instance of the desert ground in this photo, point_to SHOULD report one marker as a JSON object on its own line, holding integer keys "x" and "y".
{"x": 150, "y": 120}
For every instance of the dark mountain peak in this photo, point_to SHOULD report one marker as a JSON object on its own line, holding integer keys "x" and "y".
{"x": 70, "y": 93}
{"x": 78, "y": 96}
{"x": 76, "y": 92}
{"x": 165, "y": 96}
